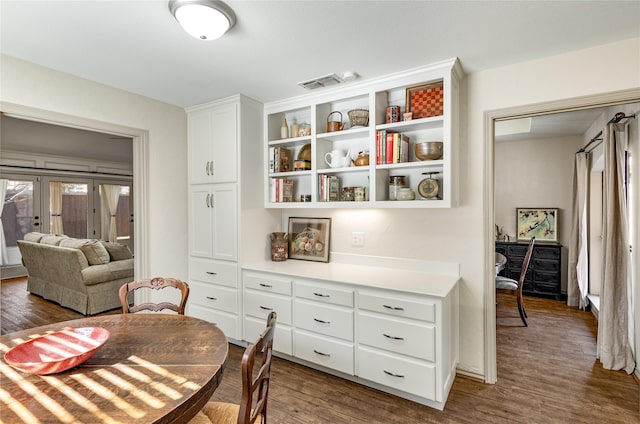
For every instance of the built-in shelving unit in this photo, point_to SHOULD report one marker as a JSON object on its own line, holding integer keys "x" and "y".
{"x": 313, "y": 111}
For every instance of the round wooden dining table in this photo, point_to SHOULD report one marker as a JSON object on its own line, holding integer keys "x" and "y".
{"x": 153, "y": 368}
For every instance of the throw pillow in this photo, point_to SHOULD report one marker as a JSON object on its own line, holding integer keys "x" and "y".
{"x": 117, "y": 251}
{"x": 95, "y": 252}
{"x": 52, "y": 240}
{"x": 34, "y": 237}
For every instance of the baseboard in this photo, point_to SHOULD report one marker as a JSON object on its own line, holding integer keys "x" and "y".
{"x": 594, "y": 304}
{"x": 471, "y": 376}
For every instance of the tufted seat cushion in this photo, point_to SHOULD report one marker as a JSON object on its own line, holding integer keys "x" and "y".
{"x": 506, "y": 283}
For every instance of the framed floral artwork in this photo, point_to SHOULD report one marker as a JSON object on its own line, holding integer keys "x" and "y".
{"x": 541, "y": 223}
{"x": 309, "y": 238}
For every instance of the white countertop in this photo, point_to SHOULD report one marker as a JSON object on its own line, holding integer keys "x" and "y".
{"x": 409, "y": 281}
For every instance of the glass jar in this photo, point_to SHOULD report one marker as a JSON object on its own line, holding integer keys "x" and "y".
{"x": 396, "y": 182}
{"x": 279, "y": 247}
{"x": 405, "y": 193}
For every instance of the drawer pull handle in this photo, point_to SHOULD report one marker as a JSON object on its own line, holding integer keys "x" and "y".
{"x": 321, "y": 295}
{"x": 212, "y": 298}
{"x": 321, "y": 353}
{"x": 265, "y": 285}
{"x": 265, "y": 308}
{"x": 392, "y": 374}
{"x": 395, "y": 308}
{"x": 321, "y": 321}
{"x": 212, "y": 273}
{"x": 392, "y": 337}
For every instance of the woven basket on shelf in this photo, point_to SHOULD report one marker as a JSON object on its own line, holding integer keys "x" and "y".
{"x": 358, "y": 117}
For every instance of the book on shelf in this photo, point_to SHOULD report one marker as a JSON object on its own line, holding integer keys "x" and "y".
{"x": 328, "y": 188}
{"x": 280, "y": 190}
{"x": 391, "y": 147}
{"x": 280, "y": 159}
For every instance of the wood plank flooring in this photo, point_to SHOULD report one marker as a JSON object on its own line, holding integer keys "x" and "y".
{"x": 547, "y": 373}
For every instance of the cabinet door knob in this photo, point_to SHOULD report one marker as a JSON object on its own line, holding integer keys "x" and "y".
{"x": 207, "y": 168}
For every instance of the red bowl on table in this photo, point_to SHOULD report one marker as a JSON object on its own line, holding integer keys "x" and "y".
{"x": 58, "y": 351}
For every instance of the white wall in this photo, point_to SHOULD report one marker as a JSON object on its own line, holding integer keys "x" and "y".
{"x": 453, "y": 235}
{"x": 32, "y": 86}
{"x": 538, "y": 174}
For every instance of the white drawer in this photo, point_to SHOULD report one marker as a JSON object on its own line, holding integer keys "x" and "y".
{"x": 323, "y": 351}
{"x": 397, "y": 305}
{"x": 213, "y": 296}
{"x": 253, "y": 327}
{"x": 400, "y": 336}
{"x": 324, "y": 293}
{"x": 216, "y": 272}
{"x": 228, "y": 323}
{"x": 267, "y": 283}
{"x": 411, "y": 376}
{"x": 259, "y": 305}
{"x": 324, "y": 319}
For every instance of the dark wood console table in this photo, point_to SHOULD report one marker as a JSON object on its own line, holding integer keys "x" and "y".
{"x": 544, "y": 276}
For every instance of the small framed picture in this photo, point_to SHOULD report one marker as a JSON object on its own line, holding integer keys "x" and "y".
{"x": 424, "y": 101}
{"x": 309, "y": 238}
{"x": 541, "y": 223}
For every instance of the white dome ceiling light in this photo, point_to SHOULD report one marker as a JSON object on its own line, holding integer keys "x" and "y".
{"x": 203, "y": 19}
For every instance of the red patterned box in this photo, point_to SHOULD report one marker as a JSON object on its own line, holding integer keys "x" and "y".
{"x": 425, "y": 100}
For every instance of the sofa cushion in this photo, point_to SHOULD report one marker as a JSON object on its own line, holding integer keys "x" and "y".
{"x": 94, "y": 250}
{"x": 34, "y": 237}
{"x": 117, "y": 251}
{"x": 52, "y": 239}
{"x": 107, "y": 272}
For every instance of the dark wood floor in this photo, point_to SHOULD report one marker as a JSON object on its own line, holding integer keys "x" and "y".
{"x": 547, "y": 373}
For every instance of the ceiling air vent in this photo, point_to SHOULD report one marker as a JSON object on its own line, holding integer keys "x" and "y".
{"x": 322, "y": 81}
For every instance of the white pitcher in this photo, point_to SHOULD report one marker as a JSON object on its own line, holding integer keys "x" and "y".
{"x": 337, "y": 159}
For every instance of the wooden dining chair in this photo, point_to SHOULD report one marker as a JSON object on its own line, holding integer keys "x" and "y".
{"x": 253, "y": 405}
{"x": 511, "y": 284}
{"x": 156, "y": 283}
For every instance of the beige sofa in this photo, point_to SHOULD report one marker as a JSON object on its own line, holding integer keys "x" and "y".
{"x": 81, "y": 274}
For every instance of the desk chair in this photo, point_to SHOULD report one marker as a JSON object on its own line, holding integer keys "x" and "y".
{"x": 252, "y": 408}
{"x": 156, "y": 283}
{"x": 511, "y": 284}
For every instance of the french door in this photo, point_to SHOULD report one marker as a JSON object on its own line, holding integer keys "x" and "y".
{"x": 74, "y": 206}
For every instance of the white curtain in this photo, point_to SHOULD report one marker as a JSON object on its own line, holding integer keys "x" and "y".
{"x": 578, "y": 282}
{"x": 110, "y": 194}
{"x": 614, "y": 348}
{"x": 55, "y": 207}
{"x": 4, "y": 259}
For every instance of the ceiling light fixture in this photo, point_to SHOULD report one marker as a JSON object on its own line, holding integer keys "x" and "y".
{"x": 203, "y": 19}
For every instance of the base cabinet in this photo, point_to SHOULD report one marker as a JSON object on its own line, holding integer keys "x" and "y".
{"x": 403, "y": 343}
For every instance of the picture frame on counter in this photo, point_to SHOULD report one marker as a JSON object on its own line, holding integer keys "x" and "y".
{"x": 541, "y": 223}
{"x": 309, "y": 238}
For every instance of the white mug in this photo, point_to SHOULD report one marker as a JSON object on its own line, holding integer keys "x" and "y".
{"x": 334, "y": 158}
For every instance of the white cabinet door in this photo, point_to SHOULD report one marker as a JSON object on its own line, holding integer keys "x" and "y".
{"x": 213, "y": 144}
{"x": 213, "y": 221}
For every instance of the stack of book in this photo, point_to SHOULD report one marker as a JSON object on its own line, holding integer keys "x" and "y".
{"x": 280, "y": 160}
{"x": 328, "y": 188}
{"x": 391, "y": 147}
{"x": 280, "y": 190}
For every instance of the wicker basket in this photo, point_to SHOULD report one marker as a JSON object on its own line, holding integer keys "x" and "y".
{"x": 358, "y": 117}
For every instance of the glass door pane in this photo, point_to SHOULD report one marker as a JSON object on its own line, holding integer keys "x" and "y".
{"x": 75, "y": 209}
{"x": 20, "y": 215}
{"x": 123, "y": 213}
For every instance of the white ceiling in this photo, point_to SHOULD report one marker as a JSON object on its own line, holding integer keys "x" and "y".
{"x": 139, "y": 47}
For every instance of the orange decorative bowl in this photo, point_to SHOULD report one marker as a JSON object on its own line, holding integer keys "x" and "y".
{"x": 57, "y": 352}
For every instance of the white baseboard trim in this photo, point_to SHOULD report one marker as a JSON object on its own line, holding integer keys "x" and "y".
{"x": 594, "y": 301}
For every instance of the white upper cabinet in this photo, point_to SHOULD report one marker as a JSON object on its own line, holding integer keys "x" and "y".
{"x": 213, "y": 134}
{"x": 322, "y": 171}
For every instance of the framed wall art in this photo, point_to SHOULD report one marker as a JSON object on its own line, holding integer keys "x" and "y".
{"x": 309, "y": 238}
{"x": 424, "y": 101}
{"x": 541, "y": 223}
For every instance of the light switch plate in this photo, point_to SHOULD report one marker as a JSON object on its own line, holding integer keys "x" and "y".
{"x": 357, "y": 239}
